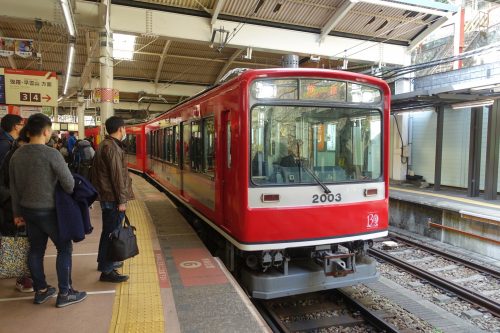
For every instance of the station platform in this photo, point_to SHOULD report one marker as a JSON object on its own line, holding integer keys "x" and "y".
{"x": 175, "y": 284}
{"x": 448, "y": 199}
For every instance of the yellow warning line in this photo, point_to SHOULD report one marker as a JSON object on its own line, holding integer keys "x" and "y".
{"x": 444, "y": 196}
{"x": 138, "y": 306}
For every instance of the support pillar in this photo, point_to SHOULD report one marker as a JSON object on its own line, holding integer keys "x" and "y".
{"x": 106, "y": 64}
{"x": 476, "y": 131}
{"x": 492, "y": 154}
{"x": 439, "y": 147}
{"x": 80, "y": 114}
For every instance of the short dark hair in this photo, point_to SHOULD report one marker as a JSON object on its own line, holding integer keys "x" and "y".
{"x": 71, "y": 133}
{"x": 37, "y": 123}
{"x": 113, "y": 124}
{"x": 9, "y": 121}
{"x": 23, "y": 135}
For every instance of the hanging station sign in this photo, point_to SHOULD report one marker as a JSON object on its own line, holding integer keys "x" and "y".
{"x": 106, "y": 95}
{"x": 31, "y": 88}
{"x": 18, "y": 46}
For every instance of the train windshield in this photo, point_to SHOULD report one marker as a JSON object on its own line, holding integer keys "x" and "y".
{"x": 337, "y": 144}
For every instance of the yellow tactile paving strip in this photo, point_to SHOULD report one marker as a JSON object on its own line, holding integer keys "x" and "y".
{"x": 444, "y": 196}
{"x": 138, "y": 306}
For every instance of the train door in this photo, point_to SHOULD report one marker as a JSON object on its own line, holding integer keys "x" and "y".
{"x": 226, "y": 168}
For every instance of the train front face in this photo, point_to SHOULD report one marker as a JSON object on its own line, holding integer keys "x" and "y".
{"x": 317, "y": 182}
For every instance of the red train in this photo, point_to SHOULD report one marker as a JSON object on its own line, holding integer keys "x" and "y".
{"x": 286, "y": 168}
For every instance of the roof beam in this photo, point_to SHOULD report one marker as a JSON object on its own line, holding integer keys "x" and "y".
{"x": 162, "y": 59}
{"x": 235, "y": 55}
{"x": 430, "y": 29}
{"x": 217, "y": 9}
{"x": 336, "y": 18}
{"x": 277, "y": 40}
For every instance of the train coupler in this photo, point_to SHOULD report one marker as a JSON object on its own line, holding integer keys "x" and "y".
{"x": 337, "y": 264}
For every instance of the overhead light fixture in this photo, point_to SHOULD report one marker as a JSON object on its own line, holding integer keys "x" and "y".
{"x": 60, "y": 98}
{"x": 123, "y": 46}
{"x": 69, "y": 67}
{"x": 472, "y": 104}
{"x": 68, "y": 17}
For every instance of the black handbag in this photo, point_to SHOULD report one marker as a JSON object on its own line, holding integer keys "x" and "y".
{"x": 123, "y": 242}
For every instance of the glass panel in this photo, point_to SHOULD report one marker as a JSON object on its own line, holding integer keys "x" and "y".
{"x": 327, "y": 90}
{"x": 276, "y": 89}
{"x": 209, "y": 146}
{"x": 360, "y": 93}
{"x": 337, "y": 144}
{"x": 177, "y": 144}
{"x": 168, "y": 144}
{"x": 186, "y": 138}
{"x": 228, "y": 143}
{"x": 131, "y": 147}
{"x": 195, "y": 146}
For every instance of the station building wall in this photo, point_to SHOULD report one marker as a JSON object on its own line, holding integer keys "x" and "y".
{"x": 456, "y": 137}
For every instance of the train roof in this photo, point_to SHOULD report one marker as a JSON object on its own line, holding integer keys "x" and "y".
{"x": 239, "y": 74}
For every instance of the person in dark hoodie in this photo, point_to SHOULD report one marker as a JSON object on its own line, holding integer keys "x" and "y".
{"x": 7, "y": 227}
{"x": 35, "y": 169}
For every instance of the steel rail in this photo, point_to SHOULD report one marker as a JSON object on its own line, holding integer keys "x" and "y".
{"x": 369, "y": 315}
{"x": 462, "y": 292}
{"x": 493, "y": 272}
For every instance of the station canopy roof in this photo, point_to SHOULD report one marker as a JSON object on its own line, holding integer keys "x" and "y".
{"x": 191, "y": 62}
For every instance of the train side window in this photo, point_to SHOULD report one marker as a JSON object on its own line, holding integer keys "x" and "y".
{"x": 209, "y": 146}
{"x": 153, "y": 144}
{"x": 176, "y": 144}
{"x": 148, "y": 147}
{"x": 131, "y": 147}
{"x": 168, "y": 144}
{"x": 196, "y": 146}
{"x": 186, "y": 136}
{"x": 228, "y": 143}
{"x": 163, "y": 144}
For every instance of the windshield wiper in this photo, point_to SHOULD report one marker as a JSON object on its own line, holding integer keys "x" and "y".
{"x": 326, "y": 189}
{"x": 323, "y": 186}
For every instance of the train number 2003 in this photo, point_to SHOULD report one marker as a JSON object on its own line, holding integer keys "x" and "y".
{"x": 337, "y": 197}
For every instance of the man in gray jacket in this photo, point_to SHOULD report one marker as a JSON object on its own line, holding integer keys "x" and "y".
{"x": 34, "y": 171}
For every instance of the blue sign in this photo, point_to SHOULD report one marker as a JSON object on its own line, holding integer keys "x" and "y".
{"x": 2, "y": 89}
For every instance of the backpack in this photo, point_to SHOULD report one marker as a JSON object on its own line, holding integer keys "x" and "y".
{"x": 82, "y": 158}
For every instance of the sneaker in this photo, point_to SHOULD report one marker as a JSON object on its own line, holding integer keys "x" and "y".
{"x": 113, "y": 276}
{"x": 42, "y": 296}
{"x": 24, "y": 284}
{"x": 72, "y": 297}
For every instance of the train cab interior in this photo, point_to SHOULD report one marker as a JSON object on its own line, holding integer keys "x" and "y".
{"x": 296, "y": 144}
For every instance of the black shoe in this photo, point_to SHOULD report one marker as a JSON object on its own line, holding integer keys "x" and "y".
{"x": 113, "y": 276}
{"x": 42, "y": 296}
{"x": 72, "y": 297}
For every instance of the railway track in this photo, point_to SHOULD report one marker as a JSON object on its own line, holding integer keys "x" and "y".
{"x": 321, "y": 310}
{"x": 462, "y": 292}
{"x": 465, "y": 262}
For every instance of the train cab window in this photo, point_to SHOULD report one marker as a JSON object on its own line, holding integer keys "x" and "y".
{"x": 131, "y": 144}
{"x": 209, "y": 146}
{"x": 195, "y": 147}
{"x": 337, "y": 144}
{"x": 186, "y": 138}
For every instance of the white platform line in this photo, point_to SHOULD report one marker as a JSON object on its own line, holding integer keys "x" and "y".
{"x": 31, "y": 297}
{"x": 74, "y": 255}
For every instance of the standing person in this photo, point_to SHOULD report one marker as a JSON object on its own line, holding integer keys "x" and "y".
{"x": 71, "y": 145}
{"x": 114, "y": 185}
{"x": 11, "y": 126}
{"x": 7, "y": 227}
{"x": 34, "y": 171}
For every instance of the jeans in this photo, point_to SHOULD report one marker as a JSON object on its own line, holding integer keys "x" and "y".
{"x": 111, "y": 219}
{"x": 41, "y": 224}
